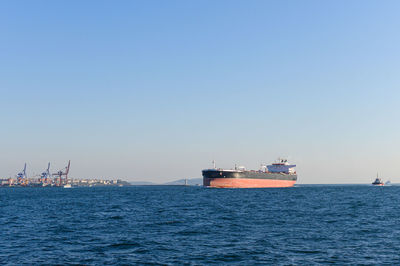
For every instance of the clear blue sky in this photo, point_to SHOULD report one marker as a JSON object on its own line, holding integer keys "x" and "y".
{"x": 155, "y": 90}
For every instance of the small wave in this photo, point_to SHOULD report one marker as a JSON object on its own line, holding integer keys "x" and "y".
{"x": 167, "y": 223}
{"x": 124, "y": 245}
{"x": 117, "y": 217}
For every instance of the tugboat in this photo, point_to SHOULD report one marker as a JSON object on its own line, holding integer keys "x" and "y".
{"x": 378, "y": 181}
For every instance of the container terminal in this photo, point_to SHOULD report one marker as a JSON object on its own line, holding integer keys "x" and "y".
{"x": 58, "y": 179}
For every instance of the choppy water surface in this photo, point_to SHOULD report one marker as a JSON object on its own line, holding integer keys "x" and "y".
{"x": 175, "y": 225}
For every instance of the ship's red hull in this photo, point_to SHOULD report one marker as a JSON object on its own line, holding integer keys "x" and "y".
{"x": 246, "y": 183}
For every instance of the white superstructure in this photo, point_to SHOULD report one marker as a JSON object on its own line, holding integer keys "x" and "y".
{"x": 282, "y": 166}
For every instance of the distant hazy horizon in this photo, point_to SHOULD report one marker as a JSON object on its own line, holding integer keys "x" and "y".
{"x": 156, "y": 90}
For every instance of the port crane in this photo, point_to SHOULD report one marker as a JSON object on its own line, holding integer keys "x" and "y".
{"x": 21, "y": 176}
{"x": 63, "y": 172}
{"x": 46, "y": 176}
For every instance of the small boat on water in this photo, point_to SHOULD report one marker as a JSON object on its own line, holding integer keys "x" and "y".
{"x": 378, "y": 181}
{"x": 67, "y": 186}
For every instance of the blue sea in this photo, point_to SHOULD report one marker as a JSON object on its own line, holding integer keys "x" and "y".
{"x": 169, "y": 225}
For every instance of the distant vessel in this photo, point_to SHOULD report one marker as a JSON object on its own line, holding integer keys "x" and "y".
{"x": 67, "y": 186}
{"x": 278, "y": 174}
{"x": 378, "y": 181}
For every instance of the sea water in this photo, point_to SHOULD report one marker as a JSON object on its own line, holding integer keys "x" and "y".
{"x": 176, "y": 224}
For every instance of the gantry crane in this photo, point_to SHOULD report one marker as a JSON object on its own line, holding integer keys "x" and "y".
{"x": 63, "y": 172}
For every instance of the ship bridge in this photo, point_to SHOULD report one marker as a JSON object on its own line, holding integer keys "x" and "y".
{"x": 282, "y": 166}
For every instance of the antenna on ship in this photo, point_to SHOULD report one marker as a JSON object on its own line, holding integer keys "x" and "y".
{"x": 213, "y": 162}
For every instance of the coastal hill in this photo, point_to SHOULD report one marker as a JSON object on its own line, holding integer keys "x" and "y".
{"x": 190, "y": 182}
{"x": 141, "y": 183}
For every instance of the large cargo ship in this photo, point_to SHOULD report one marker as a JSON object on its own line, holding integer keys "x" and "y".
{"x": 278, "y": 174}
